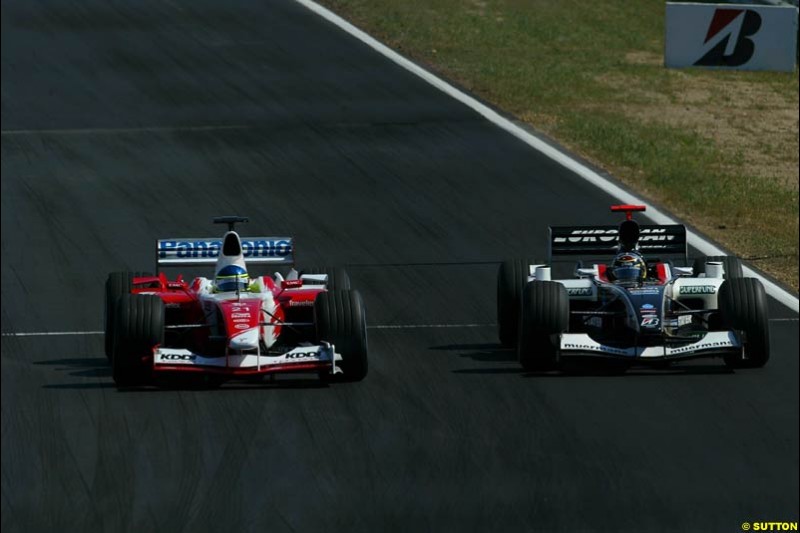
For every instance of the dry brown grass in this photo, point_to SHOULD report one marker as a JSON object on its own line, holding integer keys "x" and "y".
{"x": 717, "y": 149}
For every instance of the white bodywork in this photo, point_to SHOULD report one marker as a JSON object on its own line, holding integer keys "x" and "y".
{"x": 301, "y": 354}
{"x": 681, "y": 286}
{"x": 711, "y": 342}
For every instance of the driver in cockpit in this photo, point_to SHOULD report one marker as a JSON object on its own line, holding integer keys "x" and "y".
{"x": 628, "y": 266}
{"x": 231, "y": 278}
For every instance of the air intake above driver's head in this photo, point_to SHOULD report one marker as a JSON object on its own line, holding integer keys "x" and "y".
{"x": 231, "y": 245}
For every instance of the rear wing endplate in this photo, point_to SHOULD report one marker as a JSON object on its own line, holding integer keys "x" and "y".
{"x": 603, "y": 240}
{"x": 191, "y": 252}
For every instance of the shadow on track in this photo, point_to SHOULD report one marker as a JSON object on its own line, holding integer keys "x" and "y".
{"x": 487, "y": 352}
{"x": 82, "y": 367}
{"x": 589, "y": 367}
{"x": 99, "y": 367}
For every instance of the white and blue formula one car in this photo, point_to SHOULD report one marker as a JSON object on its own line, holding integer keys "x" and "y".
{"x": 640, "y": 309}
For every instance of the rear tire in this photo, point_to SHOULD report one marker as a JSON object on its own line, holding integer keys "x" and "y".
{"x": 743, "y": 308}
{"x": 340, "y": 319}
{"x": 117, "y": 284}
{"x": 511, "y": 279}
{"x": 138, "y": 327}
{"x": 544, "y": 316}
{"x": 731, "y": 264}
{"x": 338, "y": 279}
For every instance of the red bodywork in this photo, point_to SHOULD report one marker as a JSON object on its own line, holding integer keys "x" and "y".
{"x": 183, "y": 306}
{"x": 628, "y": 209}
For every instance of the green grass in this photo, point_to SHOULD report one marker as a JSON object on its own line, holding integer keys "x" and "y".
{"x": 591, "y": 75}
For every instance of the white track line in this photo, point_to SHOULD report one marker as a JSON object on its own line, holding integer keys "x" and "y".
{"x": 377, "y": 326}
{"x": 430, "y": 326}
{"x": 50, "y": 333}
{"x": 107, "y": 131}
{"x": 705, "y": 246}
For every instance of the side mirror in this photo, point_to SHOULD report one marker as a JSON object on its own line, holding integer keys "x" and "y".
{"x": 291, "y": 283}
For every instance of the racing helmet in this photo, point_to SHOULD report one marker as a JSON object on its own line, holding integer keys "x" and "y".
{"x": 629, "y": 266}
{"x": 231, "y": 278}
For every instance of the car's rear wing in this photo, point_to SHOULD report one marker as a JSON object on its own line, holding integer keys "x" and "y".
{"x": 191, "y": 252}
{"x": 604, "y": 240}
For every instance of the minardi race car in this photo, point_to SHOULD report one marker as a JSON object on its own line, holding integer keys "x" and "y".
{"x": 233, "y": 325}
{"x": 635, "y": 310}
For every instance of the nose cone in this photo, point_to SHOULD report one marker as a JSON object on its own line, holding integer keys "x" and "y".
{"x": 247, "y": 340}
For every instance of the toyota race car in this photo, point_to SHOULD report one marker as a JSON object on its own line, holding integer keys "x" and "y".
{"x": 233, "y": 325}
{"x": 636, "y": 310}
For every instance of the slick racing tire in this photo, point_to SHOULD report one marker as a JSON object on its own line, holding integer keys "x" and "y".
{"x": 743, "y": 308}
{"x": 338, "y": 279}
{"x": 544, "y": 316}
{"x": 138, "y": 327}
{"x": 117, "y": 284}
{"x": 340, "y": 319}
{"x": 731, "y": 264}
{"x": 511, "y": 279}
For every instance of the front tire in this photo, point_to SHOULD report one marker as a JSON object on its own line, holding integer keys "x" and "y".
{"x": 544, "y": 316}
{"x": 138, "y": 328}
{"x": 511, "y": 279}
{"x": 340, "y": 319}
{"x": 743, "y": 308}
{"x": 117, "y": 284}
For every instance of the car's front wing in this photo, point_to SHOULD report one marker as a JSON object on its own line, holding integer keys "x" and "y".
{"x": 714, "y": 343}
{"x": 321, "y": 358}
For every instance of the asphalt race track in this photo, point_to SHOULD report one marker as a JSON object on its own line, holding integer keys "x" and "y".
{"x": 125, "y": 122}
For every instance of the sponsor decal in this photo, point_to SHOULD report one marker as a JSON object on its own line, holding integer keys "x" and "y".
{"x": 656, "y": 238}
{"x": 650, "y": 321}
{"x": 698, "y": 289}
{"x": 735, "y": 48}
{"x": 580, "y": 291}
{"x": 643, "y": 290}
{"x": 647, "y": 309}
{"x": 301, "y": 303}
{"x": 595, "y": 348}
{"x": 211, "y": 248}
{"x": 240, "y": 316}
{"x": 702, "y": 346}
{"x": 679, "y": 321}
{"x": 177, "y": 357}
{"x": 589, "y": 235}
{"x": 301, "y": 355}
{"x": 579, "y": 236}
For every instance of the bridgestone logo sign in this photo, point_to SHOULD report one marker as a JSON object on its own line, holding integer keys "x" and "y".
{"x": 728, "y": 36}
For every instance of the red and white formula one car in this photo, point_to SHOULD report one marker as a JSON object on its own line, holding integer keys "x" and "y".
{"x": 233, "y": 325}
